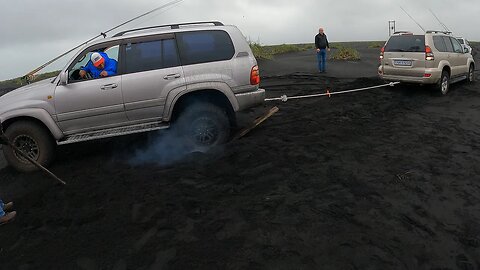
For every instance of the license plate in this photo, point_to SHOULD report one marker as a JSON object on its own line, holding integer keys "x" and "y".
{"x": 404, "y": 63}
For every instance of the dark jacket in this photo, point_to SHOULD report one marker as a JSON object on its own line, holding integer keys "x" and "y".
{"x": 321, "y": 41}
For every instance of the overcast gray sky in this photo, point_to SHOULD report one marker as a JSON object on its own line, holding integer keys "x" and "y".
{"x": 35, "y": 31}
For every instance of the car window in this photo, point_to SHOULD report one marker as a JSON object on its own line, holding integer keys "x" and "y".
{"x": 440, "y": 44}
{"x": 406, "y": 43}
{"x": 84, "y": 61}
{"x": 204, "y": 46}
{"x": 151, "y": 55}
{"x": 112, "y": 52}
{"x": 456, "y": 46}
{"x": 448, "y": 43}
{"x": 460, "y": 40}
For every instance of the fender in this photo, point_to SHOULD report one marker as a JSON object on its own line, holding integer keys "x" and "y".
{"x": 444, "y": 63}
{"x": 36, "y": 113}
{"x": 175, "y": 95}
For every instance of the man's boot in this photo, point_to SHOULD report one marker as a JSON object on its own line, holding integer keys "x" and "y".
{"x": 8, "y": 207}
{"x": 7, "y": 218}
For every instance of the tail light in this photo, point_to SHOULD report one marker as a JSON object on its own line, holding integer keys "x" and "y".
{"x": 382, "y": 52}
{"x": 429, "y": 54}
{"x": 255, "y": 76}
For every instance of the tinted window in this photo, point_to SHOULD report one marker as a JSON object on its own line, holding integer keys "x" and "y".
{"x": 204, "y": 46}
{"x": 439, "y": 44}
{"x": 460, "y": 40}
{"x": 448, "y": 43}
{"x": 406, "y": 43}
{"x": 456, "y": 45}
{"x": 150, "y": 55}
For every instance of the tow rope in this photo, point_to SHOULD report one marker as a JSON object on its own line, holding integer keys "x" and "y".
{"x": 328, "y": 92}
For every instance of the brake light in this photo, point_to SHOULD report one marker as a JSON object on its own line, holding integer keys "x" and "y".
{"x": 255, "y": 76}
{"x": 429, "y": 54}
{"x": 382, "y": 52}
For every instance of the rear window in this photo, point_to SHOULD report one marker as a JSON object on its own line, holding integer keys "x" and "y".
{"x": 439, "y": 43}
{"x": 406, "y": 43}
{"x": 204, "y": 46}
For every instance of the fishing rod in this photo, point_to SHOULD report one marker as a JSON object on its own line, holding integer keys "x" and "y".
{"x": 412, "y": 19}
{"x": 29, "y": 76}
{"x": 441, "y": 23}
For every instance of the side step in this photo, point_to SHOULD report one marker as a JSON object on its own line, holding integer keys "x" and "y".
{"x": 457, "y": 79}
{"x": 114, "y": 132}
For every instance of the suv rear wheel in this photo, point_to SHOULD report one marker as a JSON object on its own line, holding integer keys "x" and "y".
{"x": 471, "y": 74}
{"x": 203, "y": 125}
{"x": 444, "y": 83}
{"x": 33, "y": 140}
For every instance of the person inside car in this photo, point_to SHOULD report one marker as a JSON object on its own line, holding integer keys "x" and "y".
{"x": 100, "y": 65}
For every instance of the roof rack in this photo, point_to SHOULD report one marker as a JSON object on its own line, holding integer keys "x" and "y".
{"x": 437, "y": 32}
{"x": 402, "y": 32}
{"x": 172, "y": 26}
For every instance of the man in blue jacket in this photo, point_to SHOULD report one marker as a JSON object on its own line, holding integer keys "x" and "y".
{"x": 100, "y": 65}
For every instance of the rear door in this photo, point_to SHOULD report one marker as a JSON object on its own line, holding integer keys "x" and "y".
{"x": 151, "y": 70}
{"x": 405, "y": 56}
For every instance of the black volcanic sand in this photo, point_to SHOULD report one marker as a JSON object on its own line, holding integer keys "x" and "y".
{"x": 384, "y": 179}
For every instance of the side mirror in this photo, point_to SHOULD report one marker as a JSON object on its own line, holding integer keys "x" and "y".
{"x": 63, "y": 78}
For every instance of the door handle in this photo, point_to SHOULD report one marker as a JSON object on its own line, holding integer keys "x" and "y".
{"x": 109, "y": 86}
{"x": 172, "y": 76}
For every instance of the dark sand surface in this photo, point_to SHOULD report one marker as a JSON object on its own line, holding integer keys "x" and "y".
{"x": 385, "y": 179}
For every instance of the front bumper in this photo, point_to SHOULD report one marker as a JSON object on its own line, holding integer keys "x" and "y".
{"x": 250, "y": 99}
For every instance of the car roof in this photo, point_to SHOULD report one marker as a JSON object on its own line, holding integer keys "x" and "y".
{"x": 161, "y": 29}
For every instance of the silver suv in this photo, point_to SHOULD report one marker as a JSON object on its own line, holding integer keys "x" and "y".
{"x": 433, "y": 58}
{"x": 193, "y": 76}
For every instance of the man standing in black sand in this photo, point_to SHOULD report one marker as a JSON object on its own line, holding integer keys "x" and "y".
{"x": 321, "y": 43}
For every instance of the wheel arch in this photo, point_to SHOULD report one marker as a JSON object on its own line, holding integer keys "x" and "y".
{"x": 39, "y": 116}
{"x": 214, "y": 96}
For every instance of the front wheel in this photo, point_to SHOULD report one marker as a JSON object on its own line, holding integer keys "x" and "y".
{"x": 33, "y": 140}
{"x": 444, "y": 83}
{"x": 203, "y": 125}
{"x": 471, "y": 74}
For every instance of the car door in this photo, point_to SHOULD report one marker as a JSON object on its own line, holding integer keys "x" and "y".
{"x": 461, "y": 58}
{"x": 451, "y": 56}
{"x": 152, "y": 69}
{"x": 84, "y": 105}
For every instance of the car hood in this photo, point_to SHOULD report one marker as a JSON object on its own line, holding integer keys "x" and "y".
{"x": 38, "y": 91}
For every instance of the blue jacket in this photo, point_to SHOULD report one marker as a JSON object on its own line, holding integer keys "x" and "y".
{"x": 110, "y": 67}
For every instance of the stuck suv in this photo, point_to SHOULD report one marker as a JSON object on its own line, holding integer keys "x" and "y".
{"x": 194, "y": 76}
{"x": 433, "y": 58}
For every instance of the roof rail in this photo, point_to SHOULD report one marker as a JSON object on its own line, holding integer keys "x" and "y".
{"x": 437, "y": 31}
{"x": 172, "y": 26}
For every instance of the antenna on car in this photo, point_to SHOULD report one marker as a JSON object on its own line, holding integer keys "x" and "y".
{"x": 423, "y": 29}
{"x": 29, "y": 76}
{"x": 441, "y": 23}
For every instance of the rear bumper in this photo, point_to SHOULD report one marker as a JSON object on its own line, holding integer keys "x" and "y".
{"x": 250, "y": 99}
{"x": 434, "y": 77}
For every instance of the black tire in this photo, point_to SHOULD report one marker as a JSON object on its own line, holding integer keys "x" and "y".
{"x": 471, "y": 74}
{"x": 443, "y": 84}
{"x": 34, "y": 140}
{"x": 202, "y": 126}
